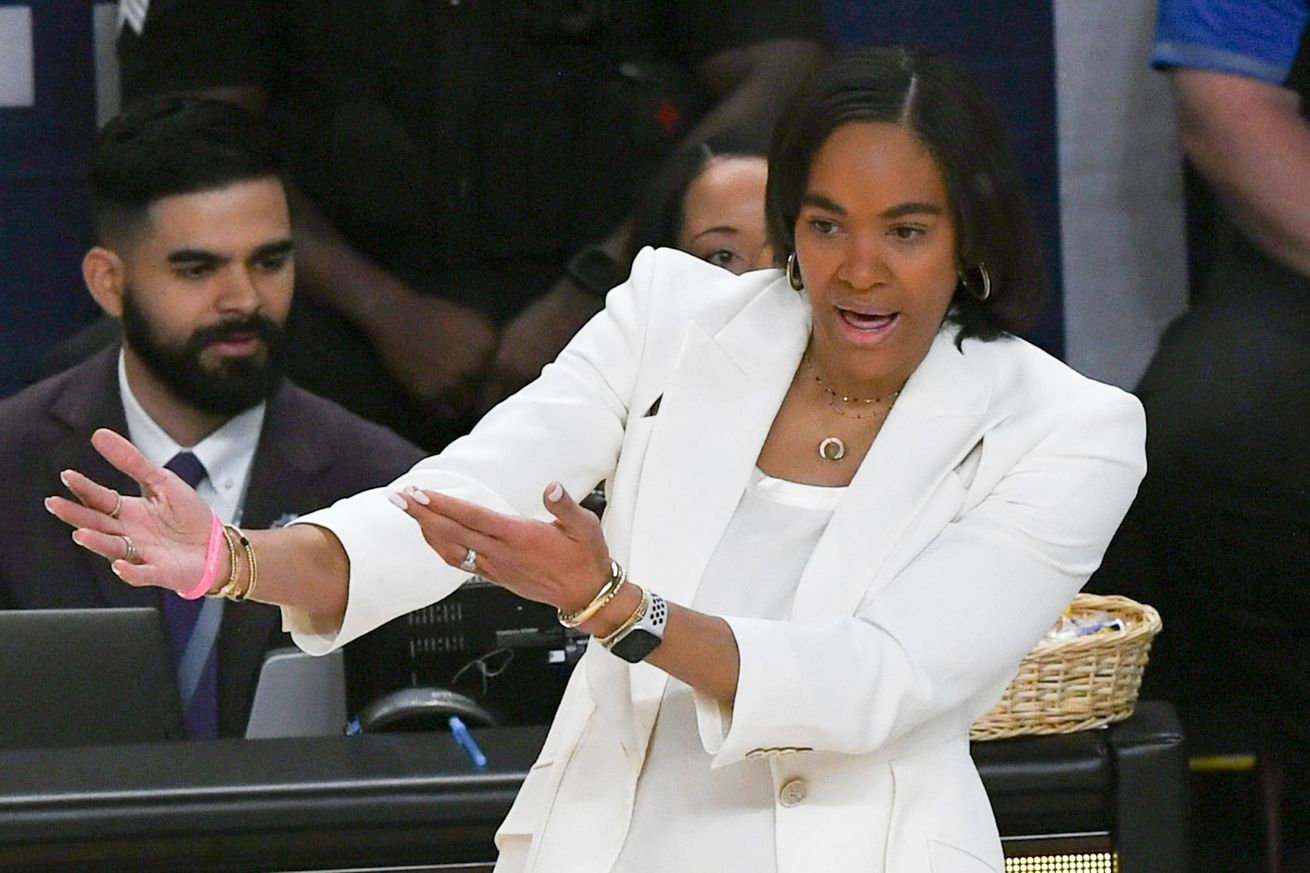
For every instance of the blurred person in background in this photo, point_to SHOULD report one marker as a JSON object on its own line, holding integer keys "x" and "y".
{"x": 709, "y": 201}
{"x": 463, "y": 172}
{"x": 1219, "y": 537}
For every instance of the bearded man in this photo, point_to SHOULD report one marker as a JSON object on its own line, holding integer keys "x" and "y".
{"x": 194, "y": 257}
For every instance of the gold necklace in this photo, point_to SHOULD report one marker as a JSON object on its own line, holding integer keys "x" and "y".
{"x": 833, "y": 448}
{"x": 836, "y": 398}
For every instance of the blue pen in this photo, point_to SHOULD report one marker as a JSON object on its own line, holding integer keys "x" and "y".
{"x": 460, "y": 732}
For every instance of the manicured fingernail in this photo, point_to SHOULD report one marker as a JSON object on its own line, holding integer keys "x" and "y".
{"x": 398, "y": 500}
{"x": 113, "y": 565}
{"x": 75, "y": 539}
{"x": 419, "y": 496}
{"x": 555, "y": 493}
{"x": 47, "y": 504}
{"x": 63, "y": 477}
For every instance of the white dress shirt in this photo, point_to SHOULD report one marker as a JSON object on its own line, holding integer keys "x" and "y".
{"x": 227, "y": 453}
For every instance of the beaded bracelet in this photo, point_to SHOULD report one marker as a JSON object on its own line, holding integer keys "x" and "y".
{"x": 637, "y": 615}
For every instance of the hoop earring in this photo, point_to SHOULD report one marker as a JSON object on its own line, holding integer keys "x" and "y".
{"x": 986, "y": 283}
{"x": 794, "y": 274}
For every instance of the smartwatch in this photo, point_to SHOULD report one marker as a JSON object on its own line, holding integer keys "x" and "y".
{"x": 634, "y": 643}
{"x": 594, "y": 270}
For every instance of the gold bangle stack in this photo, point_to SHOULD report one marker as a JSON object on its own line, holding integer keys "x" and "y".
{"x": 233, "y": 575}
{"x": 231, "y": 589}
{"x": 606, "y": 593}
{"x": 637, "y": 615}
{"x": 254, "y": 575}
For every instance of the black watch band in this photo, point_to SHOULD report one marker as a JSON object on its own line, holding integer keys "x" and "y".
{"x": 594, "y": 270}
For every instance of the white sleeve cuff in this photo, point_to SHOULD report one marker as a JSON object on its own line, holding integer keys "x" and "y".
{"x": 393, "y": 570}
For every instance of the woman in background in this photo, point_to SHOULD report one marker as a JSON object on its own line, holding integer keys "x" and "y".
{"x": 847, "y": 497}
{"x": 709, "y": 201}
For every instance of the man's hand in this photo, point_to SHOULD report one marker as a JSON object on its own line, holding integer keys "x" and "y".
{"x": 437, "y": 351}
{"x": 535, "y": 337}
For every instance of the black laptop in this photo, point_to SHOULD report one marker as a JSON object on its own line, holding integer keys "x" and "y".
{"x": 85, "y": 677}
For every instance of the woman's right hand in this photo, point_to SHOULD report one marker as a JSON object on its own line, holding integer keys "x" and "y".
{"x": 156, "y": 539}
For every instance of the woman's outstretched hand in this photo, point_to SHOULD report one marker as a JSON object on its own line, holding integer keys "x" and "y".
{"x": 156, "y": 539}
{"x": 562, "y": 562}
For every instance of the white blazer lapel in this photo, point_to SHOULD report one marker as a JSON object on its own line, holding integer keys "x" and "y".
{"x": 937, "y": 420}
{"x": 717, "y": 408}
{"x": 715, "y": 413}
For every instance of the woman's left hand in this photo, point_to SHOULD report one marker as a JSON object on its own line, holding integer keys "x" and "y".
{"x": 562, "y": 562}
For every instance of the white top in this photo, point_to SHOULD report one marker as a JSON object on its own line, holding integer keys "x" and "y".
{"x": 227, "y": 453}
{"x": 683, "y": 806}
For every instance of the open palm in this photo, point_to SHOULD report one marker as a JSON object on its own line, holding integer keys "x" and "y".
{"x": 156, "y": 539}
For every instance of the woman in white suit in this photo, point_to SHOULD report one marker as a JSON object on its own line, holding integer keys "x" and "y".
{"x": 847, "y": 498}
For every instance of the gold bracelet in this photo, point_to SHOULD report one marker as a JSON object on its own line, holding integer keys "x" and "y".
{"x": 254, "y": 575}
{"x": 603, "y": 597}
{"x": 232, "y": 589}
{"x": 637, "y": 615}
{"x": 234, "y": 575}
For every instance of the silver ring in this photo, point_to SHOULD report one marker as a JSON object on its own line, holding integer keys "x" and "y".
{"x": 470, "y": 562}
{"x": 130, "y": 557}
{"x": 118, "y": 505}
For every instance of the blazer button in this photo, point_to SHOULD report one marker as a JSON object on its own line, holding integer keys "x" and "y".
{"x": 793, "y": 792}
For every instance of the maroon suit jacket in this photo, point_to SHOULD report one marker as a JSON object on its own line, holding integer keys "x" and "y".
{"x": 310, "y": 453}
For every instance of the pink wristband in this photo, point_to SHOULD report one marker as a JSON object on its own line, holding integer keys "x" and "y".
{"x": 213, "y": 556}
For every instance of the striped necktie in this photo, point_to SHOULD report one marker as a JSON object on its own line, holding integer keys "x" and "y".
{"x": 192, "y": 631}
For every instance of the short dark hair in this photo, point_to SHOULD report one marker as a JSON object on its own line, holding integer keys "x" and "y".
{"x": 164, "y": 146}
{"x": 659, "y": 215}
{"x": 940, "y": 104}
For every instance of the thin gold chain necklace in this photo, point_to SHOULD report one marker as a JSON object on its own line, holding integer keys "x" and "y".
{"x": 833, "y": 448}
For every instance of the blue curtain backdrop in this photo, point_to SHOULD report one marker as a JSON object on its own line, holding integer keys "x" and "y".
{"x": 1009, "y": 46}
{"x": 44, "y": 228}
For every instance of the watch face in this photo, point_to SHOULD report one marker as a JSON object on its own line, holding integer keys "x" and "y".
{"x": 636, "y": 645}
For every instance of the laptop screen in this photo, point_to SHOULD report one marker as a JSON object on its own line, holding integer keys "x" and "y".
{"x": 86, "y": 677}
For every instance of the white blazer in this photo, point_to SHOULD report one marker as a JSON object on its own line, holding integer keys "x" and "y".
{"x": 985, "y": 503}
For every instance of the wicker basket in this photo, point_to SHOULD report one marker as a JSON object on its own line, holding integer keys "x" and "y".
{"x": 1077, "y": 684}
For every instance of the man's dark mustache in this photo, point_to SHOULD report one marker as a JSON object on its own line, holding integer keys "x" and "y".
{"x": 264, "y": 328}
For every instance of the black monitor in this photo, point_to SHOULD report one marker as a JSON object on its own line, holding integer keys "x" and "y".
{"x": 507, "y": 654}
{"x": 86, "y": 677}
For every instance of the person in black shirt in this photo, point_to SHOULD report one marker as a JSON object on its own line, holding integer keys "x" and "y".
{"x": 1218, "y": 539}
{"x": 465, "y": 169}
